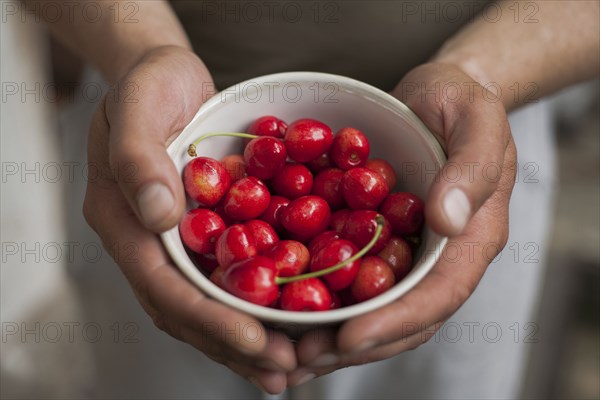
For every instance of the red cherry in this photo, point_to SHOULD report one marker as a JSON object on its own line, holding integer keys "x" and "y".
{"x": 322, "y": 240}
{"x": 205, "y": 180}
{"x": 246, "y": 199}
{"x": 337, "y": 251}
{"x": 306, "y": 217}
{"x": 235, "y": 244}
{"x": 221, "y": 212}
{"x": 319, "y": 164}
{"x": 264, "y": 156}
{"x": 338, "y": 219}
{"x": 207, "y": 262}
{"x": 252, "y": 280}
{"x": 363, "y": 189}
{"x": 385, "y": 169}
{"x": 350, "y": 148}
{"x": 414, "y": 241}
{"x": 374, "y": 277}
{"x": 327, "y": 186}
{"x": 199, "y": 230}
{"x": 360, "y": 228}
{"x": 255, "y": 279}
{"x": 272, "y": 215}
{"x": 306, "y": 295}
{"x": 291, "y": 257}
{"x": 336, "y": 301}
{"x": 268, "y": 126}
{"x": 293, "y": 181}
{"x": 397, "y": 253}
{"x": 235, "y": 166}
{"x": 263, "y": 233}
{"x": 307, "y": 139}
{"x": 405, "y": 211}
{"x": 346, "y": 298}
{"x": 216, "y": 277}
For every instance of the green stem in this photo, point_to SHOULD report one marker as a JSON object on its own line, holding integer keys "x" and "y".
{"x": 192, "y": 147}
{"x": 380, "y": 221}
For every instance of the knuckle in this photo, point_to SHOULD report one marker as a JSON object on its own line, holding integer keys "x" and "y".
{"x": 366, "y": 358}
{"x": 499, "y": 236}
{"x": 458, "y": 295}
{"x": 167, "y": 326}
{"x": 428, "y": 333}
{"x": 502, "y": 239}
{"x": 162, "y": 323}
{"x": 416, "y": 345}
{"x": 144, "y": 296}
{"x": 89, "y": 213}
{"x": 159, "y": 321}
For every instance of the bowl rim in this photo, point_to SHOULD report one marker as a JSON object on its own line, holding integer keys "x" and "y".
{"x": 426, "y": 262}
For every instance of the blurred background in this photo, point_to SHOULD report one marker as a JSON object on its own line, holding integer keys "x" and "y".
{"x": 47, "y": 345}
{"x": 566, "y": 363}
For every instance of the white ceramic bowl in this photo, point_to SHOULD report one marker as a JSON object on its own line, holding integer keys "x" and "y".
{"x": 394, "y": 132}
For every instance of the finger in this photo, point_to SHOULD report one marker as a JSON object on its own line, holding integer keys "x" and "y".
{"x": 476, "y": 147}
{"x": 318, "y": 348}
{"x": 305, "y": 374}
{"x": 475, "y": 132}
{"x": 272, "y": 382}
{"x": 161, "y": 289}
{"x": 302, "y": 375}
{"x": 150, "y": 106}
{"x": 189, "y": 315}
{"x": 279, "y": 354}
{"x": 388, "y": 350}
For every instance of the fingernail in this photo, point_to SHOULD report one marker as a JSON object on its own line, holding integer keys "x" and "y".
{"x": 457, "y": 208}
{"x": 254, "y": 381}
{"x": 155, "y": 202}
{"x": 366, "y": 345}
{"x": 308, "y": 377}
{"x": 247, "y": 349}
{"x": 324, "y": 360}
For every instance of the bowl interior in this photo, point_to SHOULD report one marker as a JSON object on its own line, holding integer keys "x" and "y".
{"x": 394, "y": 132}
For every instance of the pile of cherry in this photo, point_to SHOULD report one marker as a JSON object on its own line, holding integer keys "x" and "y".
{"x": 303, "y": 221}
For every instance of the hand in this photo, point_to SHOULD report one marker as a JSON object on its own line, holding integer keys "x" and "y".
{"x": 472, "y": 209}
{"x": 139, "y": 193}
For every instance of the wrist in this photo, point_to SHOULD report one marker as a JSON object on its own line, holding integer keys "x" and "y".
{"x": 472, "y": 65}
{"x": 466, "y": 62}
{"x": 122, "y": 65}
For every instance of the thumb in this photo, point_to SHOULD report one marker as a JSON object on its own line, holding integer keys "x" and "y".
{"x": 139, "y": 131}
{"x": 150, "y": 183}
{"x": 476, "y": 145}
{"x": 476, "y": 135}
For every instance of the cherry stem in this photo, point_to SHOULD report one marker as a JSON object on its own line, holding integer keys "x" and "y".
{"x": 380, "y": 222}
{"x": 192, "y": 147}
